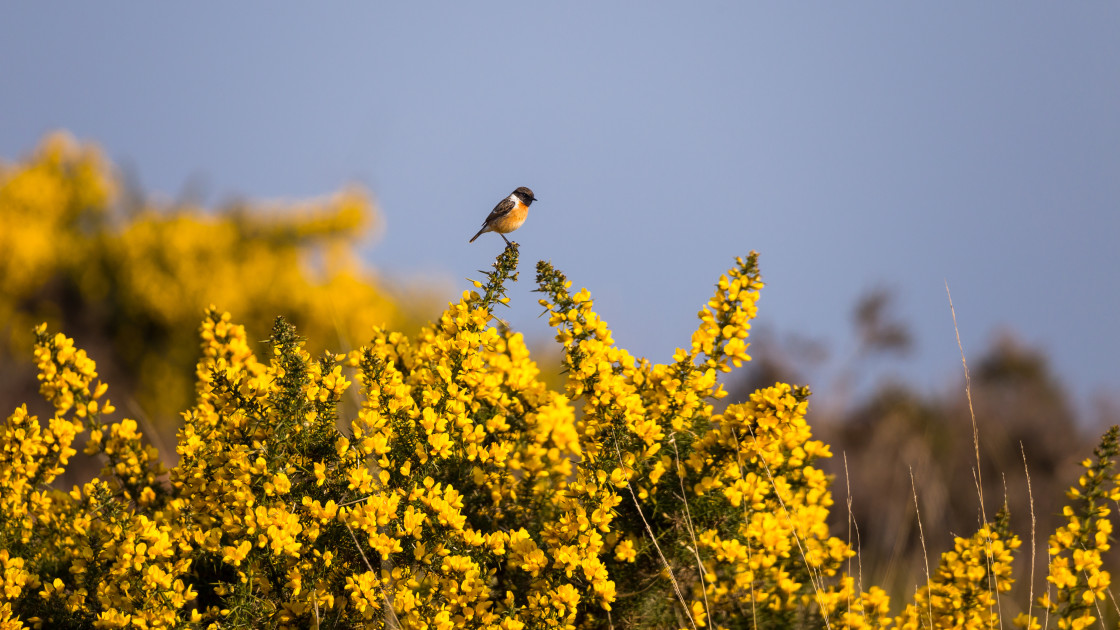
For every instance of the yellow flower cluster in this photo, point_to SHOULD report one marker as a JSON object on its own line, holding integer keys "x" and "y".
{"x": 74, "y": 541}
{"x": 78, "y": 253}
{"x": 462, "y": 492}
{"x": 1075, "y": 548}
{"x": 962, "y": 593}
{"x": 737, "y": 492}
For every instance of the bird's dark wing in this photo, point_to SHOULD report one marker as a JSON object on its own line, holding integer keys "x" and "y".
{"x": 503, "y": 208}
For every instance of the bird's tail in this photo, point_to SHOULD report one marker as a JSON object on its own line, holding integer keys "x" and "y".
{"x": 480, "y": 233}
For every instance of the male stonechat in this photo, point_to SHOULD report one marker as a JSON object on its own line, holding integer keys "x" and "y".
{"x": 508, "y": 215}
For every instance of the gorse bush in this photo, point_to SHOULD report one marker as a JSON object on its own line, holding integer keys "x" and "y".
{"x": 465, "y": 493}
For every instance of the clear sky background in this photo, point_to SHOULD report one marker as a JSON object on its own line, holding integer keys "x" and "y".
{"x": 853, "y": 145}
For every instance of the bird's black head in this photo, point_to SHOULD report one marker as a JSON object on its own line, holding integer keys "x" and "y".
{"x": 525, "y": 195}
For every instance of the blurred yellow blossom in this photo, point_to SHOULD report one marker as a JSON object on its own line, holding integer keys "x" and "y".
{"x": 133, "y": 273}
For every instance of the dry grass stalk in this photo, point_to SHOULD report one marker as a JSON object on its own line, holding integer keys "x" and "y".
{"x": 691, "y": 530}
{"x": 922, "y": 537}
{"x": 853, "y": 524}
{"x": 391, "y": 615}
{"x": 649, "y": 530}
{"x": 1030, "y": 501}
{"x": 971, "y": 412}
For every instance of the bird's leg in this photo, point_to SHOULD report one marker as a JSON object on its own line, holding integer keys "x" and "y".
{"x": 504, "y": 238}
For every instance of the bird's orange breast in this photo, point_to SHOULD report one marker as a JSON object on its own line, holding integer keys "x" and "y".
{"x": 512, "y": 220}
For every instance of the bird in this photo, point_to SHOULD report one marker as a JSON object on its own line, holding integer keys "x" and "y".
{"x": 508, "y": 215}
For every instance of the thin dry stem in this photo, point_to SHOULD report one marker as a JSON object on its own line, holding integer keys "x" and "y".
{"x": 988, "y": 540}
{"x": 1115, "y": 605}
{"x": 971, "y": 412}
{"x": 1049, "y": 584}
{"x": 358, "y": 545}
{"x": 739, "y": 460}
{"x": 754, "y": 604}
{"x": 922, "y": 537}
{"x": 848, "y": 487}
{"x": 392, "y": 615}
{"x": 978, "y": 475}
{"x": 990, "y": 558}
{"x": 649, "y": 530}
{"x": 852, "y": 524}
{"x": 1096, "y": 602}
{"x": 1030, "y": 502}
{"x": 691, "y": 530}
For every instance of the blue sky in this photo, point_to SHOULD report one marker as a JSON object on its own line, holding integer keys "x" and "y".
{"x": 853, "y": 145}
